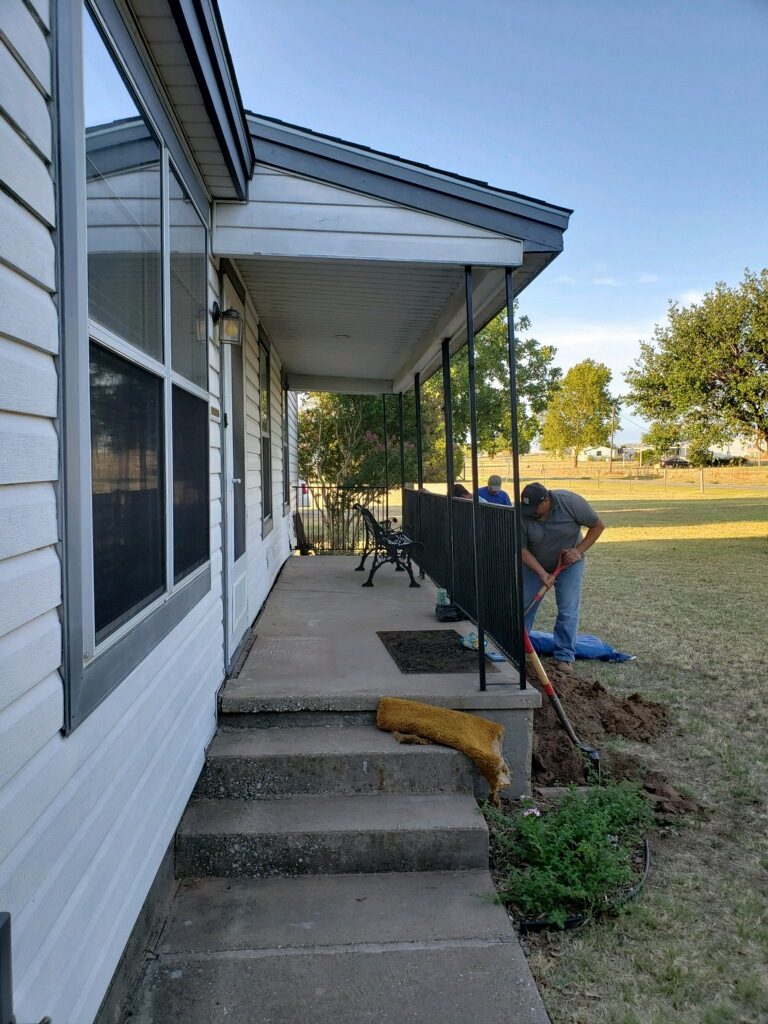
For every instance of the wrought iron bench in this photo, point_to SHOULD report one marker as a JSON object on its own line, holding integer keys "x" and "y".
{"x": 387, "y": 545}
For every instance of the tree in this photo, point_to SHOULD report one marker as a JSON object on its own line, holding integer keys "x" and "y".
{"x": 579, "y": 414}
{"x": 536, "y": 378}
{"x": 343, "y": 455}
{"x": 707, "y": 368}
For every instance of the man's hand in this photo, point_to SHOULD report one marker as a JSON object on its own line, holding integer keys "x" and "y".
{"x": 547, "y": 579}
{"x": 571, "y": 555}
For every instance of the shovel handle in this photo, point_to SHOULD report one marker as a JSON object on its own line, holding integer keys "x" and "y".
{"x": 545, "y": 587}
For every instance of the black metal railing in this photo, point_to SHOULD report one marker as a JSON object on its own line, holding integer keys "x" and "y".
{"x": 329, "y": 522}
{"x": 500, "y": 562}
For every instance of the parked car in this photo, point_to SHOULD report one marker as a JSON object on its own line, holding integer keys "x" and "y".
{"x": 674, "y": 461}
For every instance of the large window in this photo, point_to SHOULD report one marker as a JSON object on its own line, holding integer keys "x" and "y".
{"x": 147, "y": 336}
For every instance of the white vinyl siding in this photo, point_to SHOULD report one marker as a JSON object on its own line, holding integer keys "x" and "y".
{"x": 291, "y": 216}
{"x": 87, "y": 818}
{"x": 267, "y": 554}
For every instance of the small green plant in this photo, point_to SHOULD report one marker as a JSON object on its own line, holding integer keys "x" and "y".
{"x": 573, "y": 859}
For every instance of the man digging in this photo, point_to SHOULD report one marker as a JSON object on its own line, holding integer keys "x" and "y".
{"x": 551, "y": 523}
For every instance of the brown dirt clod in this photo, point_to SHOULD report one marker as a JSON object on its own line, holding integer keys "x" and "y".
{"x": 595, "y": 713}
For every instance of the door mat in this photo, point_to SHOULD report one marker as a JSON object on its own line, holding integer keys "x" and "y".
{"x": 430, "y": 650}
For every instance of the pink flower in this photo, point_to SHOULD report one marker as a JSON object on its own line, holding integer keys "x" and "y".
{"x": 532, "y": 811}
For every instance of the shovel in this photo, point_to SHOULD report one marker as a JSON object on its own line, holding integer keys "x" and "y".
{"x": 545, "y": 586}
{"x": 592, "y": 755}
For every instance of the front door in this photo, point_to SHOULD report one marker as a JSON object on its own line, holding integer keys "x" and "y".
{"x": 233, "y": 375}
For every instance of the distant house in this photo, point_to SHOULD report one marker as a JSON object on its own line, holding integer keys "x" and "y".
{"x": 598, "y": 454}
{"x": 739, "y": 447}
{"x": 173, "y": 271}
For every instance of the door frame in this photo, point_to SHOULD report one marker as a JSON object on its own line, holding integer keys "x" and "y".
{"x": 234, "y": 573}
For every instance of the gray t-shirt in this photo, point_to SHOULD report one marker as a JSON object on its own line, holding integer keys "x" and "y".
{"x": 545, "y": 539}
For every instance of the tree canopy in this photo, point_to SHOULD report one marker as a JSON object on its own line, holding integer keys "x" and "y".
{"x": 579, "y": 414}
{"x": 536, "y": 377}
{"x": 341, "y": 439}
{"x": 705, "y": 375}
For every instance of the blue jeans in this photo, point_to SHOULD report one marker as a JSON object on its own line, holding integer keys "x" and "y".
{"x": 567, "y": 595}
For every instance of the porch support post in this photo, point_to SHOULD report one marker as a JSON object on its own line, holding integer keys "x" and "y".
{"x": 475, "y": 477}
{"x": 449, "y": 467}
{"x": 386, "y": 457}
{"x": 419, "y": 451}
{"x": 515, "y": 441}
{"x": 402, "y": 456}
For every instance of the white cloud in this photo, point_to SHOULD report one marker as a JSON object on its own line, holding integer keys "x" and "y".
{"x": 564, "y": 279}
{"x": 609, "y": 281}
{"x": 690, "y": 297}
{"x": 647, "y": 278}
{"x": 615, "y": 343}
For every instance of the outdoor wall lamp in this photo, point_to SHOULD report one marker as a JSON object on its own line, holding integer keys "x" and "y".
{"x": 230, "y": 325}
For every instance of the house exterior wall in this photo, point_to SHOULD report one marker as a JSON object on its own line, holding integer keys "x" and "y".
{"x": 266, "y": 549}
{"x": 85, "y": 819}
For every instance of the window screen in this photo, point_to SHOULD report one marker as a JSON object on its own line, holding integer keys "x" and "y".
{"x": 127, "y": 468}
{"x": 189, "y": 320}
{"x": 190, "y": 483}
{"x": 123, "y": 204}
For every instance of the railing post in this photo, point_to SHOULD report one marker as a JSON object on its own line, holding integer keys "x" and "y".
{"x": 449, "y": 466}
{"x": 515, "y": 440}
{"x": 475, "y": 479}
{"x": 386, "y": 457}
{"x": 402, "y": 458}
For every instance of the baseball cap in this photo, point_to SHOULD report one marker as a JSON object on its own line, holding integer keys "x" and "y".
{"x": 531, "y": 497}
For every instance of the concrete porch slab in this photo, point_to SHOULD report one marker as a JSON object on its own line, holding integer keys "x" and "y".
{"x": 317, "y": 644}
{"x": 317, "y": 652}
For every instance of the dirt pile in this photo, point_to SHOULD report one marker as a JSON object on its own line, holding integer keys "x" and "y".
{"x": 595, "y": 713}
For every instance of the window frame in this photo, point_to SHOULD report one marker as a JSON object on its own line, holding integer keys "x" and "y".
{"x": 90, "y": 671}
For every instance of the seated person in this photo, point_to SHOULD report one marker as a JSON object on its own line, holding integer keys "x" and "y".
{"x": 493, "y": 493}
{"x": 460, "y": 491}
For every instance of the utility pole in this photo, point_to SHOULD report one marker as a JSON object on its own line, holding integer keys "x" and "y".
{"x": 614, "y": 406}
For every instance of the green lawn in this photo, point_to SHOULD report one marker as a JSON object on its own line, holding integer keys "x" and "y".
{"x": 683, "y": 585}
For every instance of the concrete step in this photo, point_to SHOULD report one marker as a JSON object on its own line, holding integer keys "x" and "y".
{"x": 268, "y": 763}
{"x": 330, "y": 835}
{"x": 216, "y": 915}
{"x": 420, "y": 947}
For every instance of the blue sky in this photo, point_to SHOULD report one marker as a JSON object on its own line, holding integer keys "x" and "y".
{"x": 647, "y": 117}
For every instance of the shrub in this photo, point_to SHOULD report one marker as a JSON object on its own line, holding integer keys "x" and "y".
{"x": 573, "y": 859}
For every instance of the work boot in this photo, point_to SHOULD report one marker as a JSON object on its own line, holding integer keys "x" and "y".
{"x": 566, "y": 667}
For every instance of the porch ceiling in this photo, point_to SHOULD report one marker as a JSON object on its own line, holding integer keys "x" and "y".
{"x": 358, "y": 322}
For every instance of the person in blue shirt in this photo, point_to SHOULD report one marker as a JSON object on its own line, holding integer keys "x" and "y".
{"x": 493, "y": 492}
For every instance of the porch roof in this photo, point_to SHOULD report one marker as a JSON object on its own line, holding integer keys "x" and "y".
{"x": 355, "y": 258}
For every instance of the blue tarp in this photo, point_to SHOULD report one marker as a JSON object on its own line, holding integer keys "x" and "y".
{"x": 587, "y": 646}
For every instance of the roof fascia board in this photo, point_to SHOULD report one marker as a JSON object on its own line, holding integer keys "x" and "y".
{"x": 210, "y": 63}
{"x": 136, "y": 61}
{"x": 537, "y": 224}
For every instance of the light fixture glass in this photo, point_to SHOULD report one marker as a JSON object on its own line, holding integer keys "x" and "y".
{"x": 230, "y": 325}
